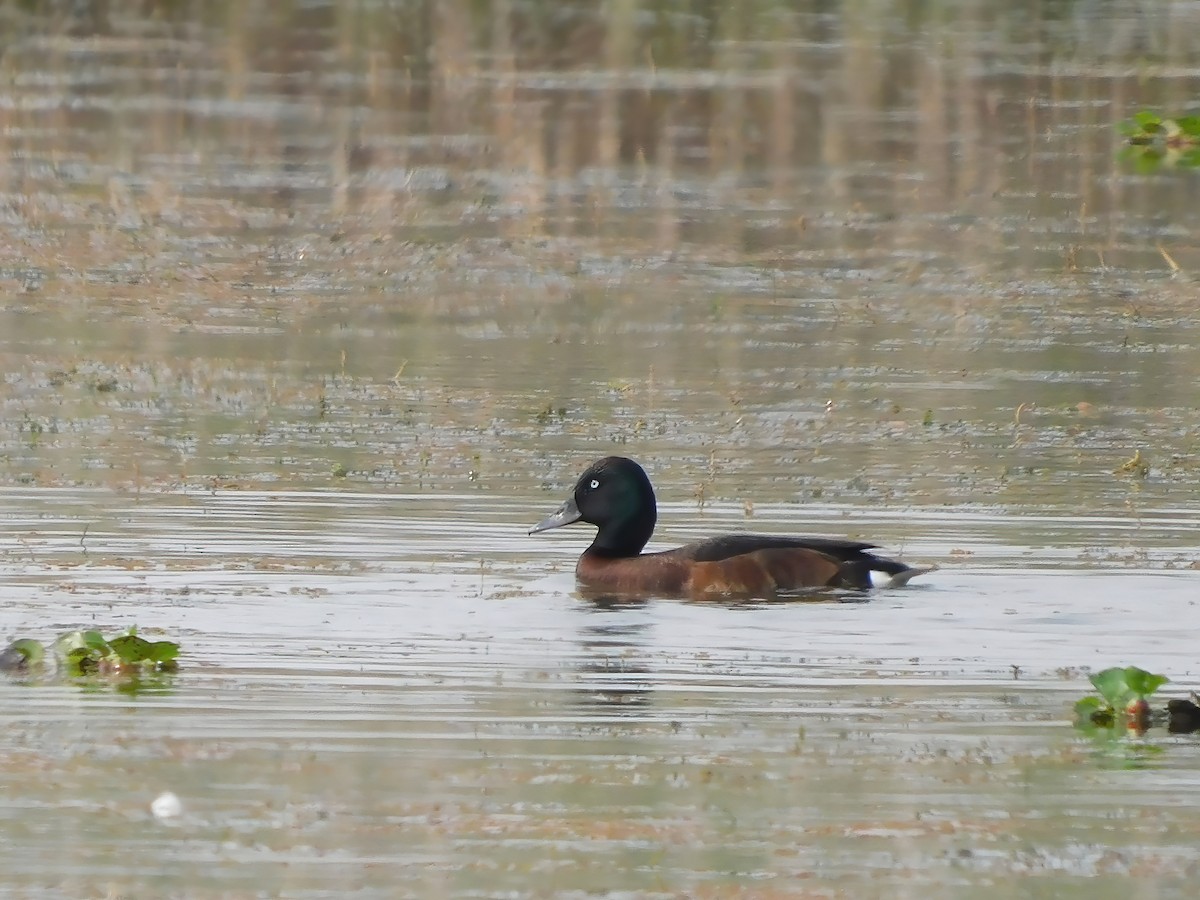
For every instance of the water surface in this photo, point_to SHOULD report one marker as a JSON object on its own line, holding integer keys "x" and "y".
{"x": 308, "y": 312}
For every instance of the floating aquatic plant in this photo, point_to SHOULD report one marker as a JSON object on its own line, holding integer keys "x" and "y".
{"x": 1123, "y": 704}
{"x": 1155, "y": 141}
{"x": 1123, "y": 699}
{"x": 79, "y": 653}
{"x": 1123, "y": 708}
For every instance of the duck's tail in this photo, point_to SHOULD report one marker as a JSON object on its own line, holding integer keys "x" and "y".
{"x": 902, "y": 577}
{"x": 871, "y": 571}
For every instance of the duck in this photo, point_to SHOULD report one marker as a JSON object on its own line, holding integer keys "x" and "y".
{"x": 615, "y": 495}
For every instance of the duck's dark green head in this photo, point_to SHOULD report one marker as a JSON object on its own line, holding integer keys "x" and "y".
{"x": 615, "y": 495}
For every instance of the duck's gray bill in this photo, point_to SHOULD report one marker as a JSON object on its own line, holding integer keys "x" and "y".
{"x": 564, "y": 515}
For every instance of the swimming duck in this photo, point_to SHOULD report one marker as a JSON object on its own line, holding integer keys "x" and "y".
{"x": 616, "y": 496}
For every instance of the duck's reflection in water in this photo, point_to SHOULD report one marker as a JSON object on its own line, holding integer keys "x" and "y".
{"x": 621, "y": 663}
{"x": 614, "y": 666}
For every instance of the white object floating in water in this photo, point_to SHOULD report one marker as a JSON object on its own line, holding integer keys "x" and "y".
{"x": 166, "y": 806}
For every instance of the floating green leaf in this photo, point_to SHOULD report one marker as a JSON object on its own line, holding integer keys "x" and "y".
{"x": 130, "y": 648}
{"x": 1156, "y": 141}
{"x": 1189, "y": 125}
{"x": 1093, "y": 712}
{"x": 133, "y": 650}
{"x": 22, "y": 655}
{"x": 1147, "y": 120}
{"x": 1122, "y": 708}
{"x": 1118, "y": 686}
{"x": 81, "y": 661}
{"x": 1143, "y": 683}
{"x": 1112, "y": 687}
{"x": 165, "y": 653}
{"x": 86, "y": 640}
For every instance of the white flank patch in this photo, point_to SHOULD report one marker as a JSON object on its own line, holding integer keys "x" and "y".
{"x": 884, "y": 580}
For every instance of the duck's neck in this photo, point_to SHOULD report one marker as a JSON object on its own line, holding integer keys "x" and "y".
{"x": 622, "y": 539}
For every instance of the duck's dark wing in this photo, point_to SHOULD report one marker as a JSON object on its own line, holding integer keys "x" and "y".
{"x": 720, "y": 548}
{"x": 793, "y": 561}
{"x": 768, "y": 564}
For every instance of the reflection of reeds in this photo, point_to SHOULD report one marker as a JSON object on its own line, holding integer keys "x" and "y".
{"x": 362, "y": 121}
{"x": 224, "y": 212}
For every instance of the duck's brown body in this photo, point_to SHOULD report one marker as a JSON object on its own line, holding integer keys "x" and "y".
{"x": 761, "y": 573}
{"x": 615, "y": 495}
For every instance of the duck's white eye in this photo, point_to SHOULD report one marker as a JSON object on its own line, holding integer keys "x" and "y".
{"x": 595, "y": 483}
